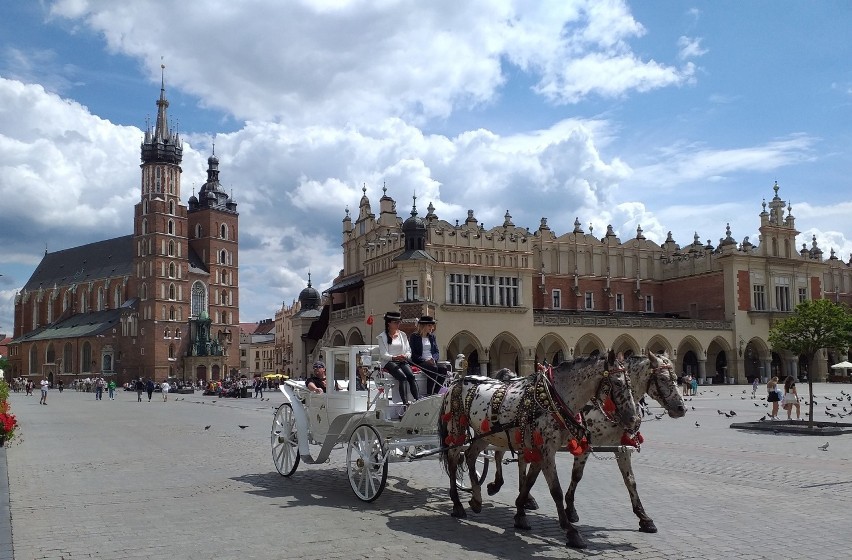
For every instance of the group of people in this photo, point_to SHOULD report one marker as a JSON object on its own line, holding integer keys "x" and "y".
{"x": 398, "y": 354}
{"x": 689, "y": 385}
{"x": 788, "y": 398}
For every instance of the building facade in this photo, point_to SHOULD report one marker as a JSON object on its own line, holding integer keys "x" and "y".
{"x": 510, "y": 296}
{"x": 161, "y": 302}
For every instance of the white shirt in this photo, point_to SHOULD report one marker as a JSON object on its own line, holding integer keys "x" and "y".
{"x": 165, "y": 387}
{"x": 399, "y": 345}
{"x": 44, "y": 384}
{"x": 427, "y": 349}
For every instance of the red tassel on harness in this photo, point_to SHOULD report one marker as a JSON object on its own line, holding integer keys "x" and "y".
{"x": 572, "y": 446}
{"x": 460, "y": 439}
{"x": 485, "y": 426}
{"x": 640, "y": 438}
{"x": 450, "y": 439}
{"x": 609, "y": 405}
{"x": 446, "y": 417}
{"x": 538, "y": 440}
{"x": 626, "y": 439}
{"x": 464, "y": 421}
{"x": 532, "y": 455}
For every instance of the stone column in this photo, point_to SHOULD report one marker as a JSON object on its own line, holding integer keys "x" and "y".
{"x": 702, "y": 371}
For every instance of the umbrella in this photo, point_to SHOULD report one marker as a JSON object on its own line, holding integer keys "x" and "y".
{"x": 842, "y": 365}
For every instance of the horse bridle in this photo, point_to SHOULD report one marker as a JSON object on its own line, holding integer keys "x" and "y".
{"x": 655, "y": 380}
{"x": 605, "y": 388}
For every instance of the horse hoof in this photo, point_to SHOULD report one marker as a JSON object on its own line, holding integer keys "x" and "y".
{"x": 577, "y": 543}
{"x": 492, "y": 488}
{"x": 521, "y": 523}
{"x": 647, "y": 526}
{"x": 531, "y": 504}
{"x": 475, "y": 506}
{"x": 575, "y": 539}
{"x": 459, "y": 513}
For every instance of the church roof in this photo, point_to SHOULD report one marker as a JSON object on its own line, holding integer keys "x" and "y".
{"x": 78, "y": 325}
{"x": 101, "y": 259}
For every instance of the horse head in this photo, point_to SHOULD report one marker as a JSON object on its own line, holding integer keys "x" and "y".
{"x": 615, "y": 384}
{"x": 662, "y": 385}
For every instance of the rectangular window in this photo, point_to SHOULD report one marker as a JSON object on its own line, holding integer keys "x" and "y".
{"x": 759, "y": 297}
{"x": 410, "y": 290}
{"x": 508, "y": 291}
{"x": 782, "y": 294}
{"x": 459, "y": 289}
{"x": 803, "y": 295}
{"x": 557, "y": 299}
{"x": 483, "y": 289}
{"x": 619, "y": 302}
{"x": 649, "y": 304}
{"x": 590, "y": 300}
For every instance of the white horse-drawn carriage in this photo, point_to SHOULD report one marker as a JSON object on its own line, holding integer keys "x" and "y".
{"x": 357, "y": 412}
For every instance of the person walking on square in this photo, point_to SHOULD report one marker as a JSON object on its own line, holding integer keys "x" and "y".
{"x": 45, "y": 384}
{"x": 754, "y": 388}
{"x": 140, "y": 387}
{"x": 395, "y": 352}
{"x": 111, "y": 389}
{"x": 772, "y": 396}
{"x": 149, "y": 388}
{"x": 424, "y": 353}
{"x": 791, "y": 398}
{"x": 258, "y": 387}
{"x": 164, "y": 387}
{"x": 99, "y": 389}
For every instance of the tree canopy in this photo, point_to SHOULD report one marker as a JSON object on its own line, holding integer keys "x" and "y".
{"x": 814, "y": 325}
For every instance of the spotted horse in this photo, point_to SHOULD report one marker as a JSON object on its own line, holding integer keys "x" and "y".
{"x": 533, "y": 416}
{"x": 660, "y": 383}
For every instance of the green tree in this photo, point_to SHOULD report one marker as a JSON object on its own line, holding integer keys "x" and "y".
{"x": 814, "y": 325}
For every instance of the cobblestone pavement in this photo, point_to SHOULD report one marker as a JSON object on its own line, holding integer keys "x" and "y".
{"x": 121, "y": 479}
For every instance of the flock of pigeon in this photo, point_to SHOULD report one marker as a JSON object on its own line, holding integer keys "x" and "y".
{"x": 836, "y": 407}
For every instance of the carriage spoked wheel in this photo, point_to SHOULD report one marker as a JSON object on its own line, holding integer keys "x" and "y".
{"x": 366, "y": 463}
{"x": 285, "y": 441}
{"x": 463, "y": 480}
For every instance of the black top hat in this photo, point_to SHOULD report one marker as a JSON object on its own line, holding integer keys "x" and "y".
{"x": 426, "y": 320}
{"x": 393, "y": 316}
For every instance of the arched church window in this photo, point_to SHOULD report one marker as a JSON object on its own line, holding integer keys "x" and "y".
{"x": 172, "y": 207}
{"x": 171, "y": 270}
{"x": 199, "y": 299}
{"x": 172, "y": 315}
{"x": 197, "y": 230}
{"x": 223, "y": 231}
{"x": 144, "y": 227}
{"x": 171, "y": 227}
{"x": 172, "y": 292}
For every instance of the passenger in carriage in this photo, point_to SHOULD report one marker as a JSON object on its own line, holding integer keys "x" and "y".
{"x": 424, "y": 353}
{"x": 395, "y": 354}
{"x": 316, "y": 382}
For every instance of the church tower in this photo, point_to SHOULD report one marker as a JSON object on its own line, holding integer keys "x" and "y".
{"x": 161, "y": 263}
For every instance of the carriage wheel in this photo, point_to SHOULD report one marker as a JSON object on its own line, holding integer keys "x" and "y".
{"x": 285, "y": 440}
{"x": 463, "y": 481}
{"x": 366, "y": 463}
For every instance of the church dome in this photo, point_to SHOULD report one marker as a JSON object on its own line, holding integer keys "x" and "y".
{"x": 309, "y": 298}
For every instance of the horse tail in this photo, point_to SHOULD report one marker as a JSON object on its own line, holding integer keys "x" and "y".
{"x": 443, "y": 432}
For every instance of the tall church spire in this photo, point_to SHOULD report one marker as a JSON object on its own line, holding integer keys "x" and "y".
{"x": 162, "y": 145}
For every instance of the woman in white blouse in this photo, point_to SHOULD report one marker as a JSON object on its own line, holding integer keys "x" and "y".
{"x": 395, "y": 354}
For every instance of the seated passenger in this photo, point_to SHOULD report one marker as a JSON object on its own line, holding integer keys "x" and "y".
{"x": 316, "y": 382}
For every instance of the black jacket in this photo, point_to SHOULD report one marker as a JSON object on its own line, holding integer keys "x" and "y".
{"x": 416, "y": 342}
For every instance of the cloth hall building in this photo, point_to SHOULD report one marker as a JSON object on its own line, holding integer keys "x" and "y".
{"x": 161, "y": 302}
{"x": 510, "y": 297}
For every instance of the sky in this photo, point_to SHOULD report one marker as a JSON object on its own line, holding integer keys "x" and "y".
{"x": 670, "y": 115}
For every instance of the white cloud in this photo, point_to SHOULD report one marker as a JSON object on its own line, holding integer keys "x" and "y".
{"x": 358, "y": 61}
{"x": 690, "y": 47}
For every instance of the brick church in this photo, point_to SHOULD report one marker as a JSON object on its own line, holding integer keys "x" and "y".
{"x": 160, "y": 302}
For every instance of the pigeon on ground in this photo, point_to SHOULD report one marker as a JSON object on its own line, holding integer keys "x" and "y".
{"x": 697, "y": 424}
{"x": 719, "y": 412}
{"x": 733, "y": 413}
{"x": 756, "y": 404}
{"x": 658, "y": 416}
{"x": 693, "y": 408}
{"x": 727, "y": 415}
{"x": 207, "y": 427}
{"x": 243, "y": 427}
{"x": 823, "y": 447}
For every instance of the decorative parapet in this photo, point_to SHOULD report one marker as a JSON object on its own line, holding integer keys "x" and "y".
{"x": 354, "y": 312}
{"x": 483, "y": 309}
{"x": 551, "y": 319}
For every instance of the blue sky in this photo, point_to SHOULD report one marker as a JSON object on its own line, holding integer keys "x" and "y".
{"x": 676, "y": 116}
